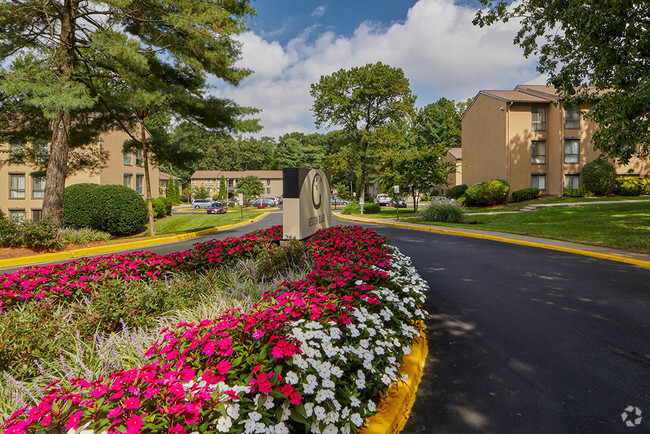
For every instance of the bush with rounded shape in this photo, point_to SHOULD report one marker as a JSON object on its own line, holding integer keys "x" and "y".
{"x": 456, "y": 191}
{"x": 488, "y": 193}
{"x": 81, "y": 206}
{"x": 599, "y": 176}
{"x": 124, "y": 212}
{"x": 525, "y": 194}
{"x": 443, "y": 212}
{"x": 371, "y": 208}
{"x": 161, "y": 207}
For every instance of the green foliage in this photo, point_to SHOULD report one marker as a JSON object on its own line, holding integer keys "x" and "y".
{"x": 456, "y": 191}
{"x": 371, "y": 208}
{"x": 201, "y": 192}
{"x": 36, "y": 235}
{"x": 81, "y": 236}
{"x": 632, "y": 186}
{"x": 223, "y": 192}
{"x": 525, "y": 194}
{"x": 250, "y": 187}
{"x": 599, "y": 176}
{"x": 368, "y": 208}
{"x": 162, "y": 207}
{"x": 442, "y": 212}
{"x": 115, "y": 209}
{"x": 601, "y": 43}
{"x": 80, "y": 206}
{"x": 173, "y": 191}
{"x": 487, "y": 193}
{"x": 578, "y": 192}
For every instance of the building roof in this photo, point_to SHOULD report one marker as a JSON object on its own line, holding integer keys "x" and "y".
{"x": 515, "y": 96}
{"x": 457, "y": 153}
{"x": 236, "y": 174}
{"x": 166, "y": 176}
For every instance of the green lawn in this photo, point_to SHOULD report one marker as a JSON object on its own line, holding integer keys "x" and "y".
{"x": 182, "y": 223}
{"x": 624, "y": 226}
{"x": 515, "y": 206}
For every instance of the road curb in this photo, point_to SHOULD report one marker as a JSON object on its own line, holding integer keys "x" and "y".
{"x": 607, "y": 256}
{"x": 395, "y": 408}
{"x": 58, "y": 256}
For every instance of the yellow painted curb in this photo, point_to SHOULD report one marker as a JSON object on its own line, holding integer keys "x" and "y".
{"x": 58, "y": 256}
{"x": 395, "y": 409}
{"x": 610, "y": 257}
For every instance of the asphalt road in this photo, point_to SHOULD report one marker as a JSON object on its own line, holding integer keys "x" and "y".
{"x": 521, "y": 339}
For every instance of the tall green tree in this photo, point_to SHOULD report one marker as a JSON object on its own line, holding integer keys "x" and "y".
{"x": 362, "y": 100}
{"x": 223, "y": 192}
{"x": 593, "y": 51}
{"x": 73, "y": 69}
{"x": 250, "y": 187}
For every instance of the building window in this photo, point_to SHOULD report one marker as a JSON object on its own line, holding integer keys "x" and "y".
{"x": 127, "y": 159}
{"x": 538, "y": 118}
{"x": 538, "y": 181}
{"x": 572, "y": 182}
{"x": 17, "y": 215}
{"x": 208, "y": 181}
{"x": 572, "y": 151}
{"x": 37, "y": 215}
{"x": 127, "y": 180}
{"x": 572, "y": 117}
{"x": 268, "y": 190}
{"x": 17, "y": 186}
{"x": 138, "y": 157}
{"x": 268, "y": 182}
{"x": 17, "y": 152}
{"x": 194, "y": 182}
{"x": 230, "y": 183}
{"x": 38, "y": 187}
{"x": 538, "y": 152}
{"x": 40, "y": 153}
{"x": 138, "y": 183}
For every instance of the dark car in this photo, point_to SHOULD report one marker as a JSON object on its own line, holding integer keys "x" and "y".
{"x": 399, "y": 202}
{"x": 262, "y": 203}
{"x": 217, "y": 208}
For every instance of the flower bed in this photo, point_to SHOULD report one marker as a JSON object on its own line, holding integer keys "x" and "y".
{"x": 315, "y": 354}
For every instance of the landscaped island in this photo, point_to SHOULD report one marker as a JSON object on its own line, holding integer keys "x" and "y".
{"x": 312, "y": 354}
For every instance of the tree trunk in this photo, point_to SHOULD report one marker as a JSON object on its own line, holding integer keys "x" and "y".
{"x": 57, "y": 166}
{"x": 147, "y": 183}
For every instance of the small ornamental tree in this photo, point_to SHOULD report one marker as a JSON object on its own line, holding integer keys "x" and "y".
{"x": 599, "y": 176}
{"x": 223, "y": 193}
{"x": 173, "y": 192}
{"x": 250, "y": 187}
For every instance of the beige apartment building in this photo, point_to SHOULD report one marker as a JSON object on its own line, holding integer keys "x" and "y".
{"x": 210, "y": 179}
{"x": 525, "y": 137}
{"x": 455, "y": 156}
{"x": 22, "y": 191}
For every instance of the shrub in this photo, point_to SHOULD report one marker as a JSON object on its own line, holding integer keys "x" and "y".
{"x": 632, "y": 186}
{"x": 599, "y": 176}
{"x": 81, "y": 207}
{"x": 578, "y": 192}
{"x": 442, "y": 212}
{"x": 161, "y": 207}
{"x": 456, "y": 191}
{"x": 37, "y": 235}
{"x": 525, "y": 194}
{"x": 81, "y": 236}
{"x": 123, "y": 211}
{"x": 368, "y": 208}
{"x": 371, "y": 208}
{"x": 352, "y": 207}
{"x": 488, "y": 193}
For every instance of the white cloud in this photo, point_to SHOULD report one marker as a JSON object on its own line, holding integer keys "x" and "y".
{"x": 319, "y": 11}
{"x": 437, "y": 46}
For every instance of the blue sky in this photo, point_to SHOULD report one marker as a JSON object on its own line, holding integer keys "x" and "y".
{"x": 292, "y": 43}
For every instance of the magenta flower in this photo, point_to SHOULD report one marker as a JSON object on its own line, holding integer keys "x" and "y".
{"x": 73, "y": 422}
{"x": 223, "y": 367}
{"x": 132, "y": 402}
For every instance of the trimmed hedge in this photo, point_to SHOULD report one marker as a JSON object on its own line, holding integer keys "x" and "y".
{"x": 456, "y": 191}
{"x": 633, "y": 186}
{"x": 599, "y": 177}
{"x": 115, "y": 209}
{"x": 531, "y": 193}
{"x": 488, "y": 193}
{"x": 162, "y": 207}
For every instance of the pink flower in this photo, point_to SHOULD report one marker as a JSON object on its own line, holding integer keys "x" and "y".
{"x": 132, "y": 402}
{"x": 134, "y": 423}
{"x": 115, "y": 412}
{"x": 223, "y": 367}
{"x": 100, "y": 391}
{"x": 151, "y": 391}
{"x": 258, "y": 334}
{"x": 177, "y": 429}
{"x": 209, "y": 348}
{"x": 73, "y": 422}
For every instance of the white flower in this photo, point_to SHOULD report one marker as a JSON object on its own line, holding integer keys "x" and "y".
{"x": 379, "y": 351}
{"x": 328, "y": 384}
{"x": 354, "y": 402}
{"x": 330, "y": 429}
{"x": 232, "y": 410}
{"x": 269, "y": 402}
{"x": 356, "y": 419}
{"x": 371, "y": 406}
{"x": 319, "y": 412}
{"x": 337, "y": 372}
{"x": 309, "y": 409}
{"x": 281, "y": 428}
{"x": 291, "y": 377}
{"x": 224, "y": 424}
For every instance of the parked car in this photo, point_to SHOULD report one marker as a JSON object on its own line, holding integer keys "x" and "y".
{"x": 217, "y": 208}
{"x": 398, "y": 202}
{"x": 262, "y": 203}
{"x": 338, "y": 201}
{"x": 201, "y": 203}
{"x": 279, "y": 199}
{"x": 272, "y": 199}
{"x": 382, "y": 199}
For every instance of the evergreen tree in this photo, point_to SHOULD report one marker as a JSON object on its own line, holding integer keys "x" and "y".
{"x": 73, "y": 69}
{"x": 223, "y": 193}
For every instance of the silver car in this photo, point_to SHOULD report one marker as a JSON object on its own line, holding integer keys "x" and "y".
{"x": 201, "y": 203}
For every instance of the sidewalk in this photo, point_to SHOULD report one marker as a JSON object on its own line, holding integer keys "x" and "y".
{"x": 639, "y": 259}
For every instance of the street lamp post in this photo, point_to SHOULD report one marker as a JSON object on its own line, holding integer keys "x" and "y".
{"x": 142, "y": 113}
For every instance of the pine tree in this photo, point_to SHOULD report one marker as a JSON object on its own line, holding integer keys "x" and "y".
{"x": 73, "y": 69}
{"x": 223, "y": 193}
